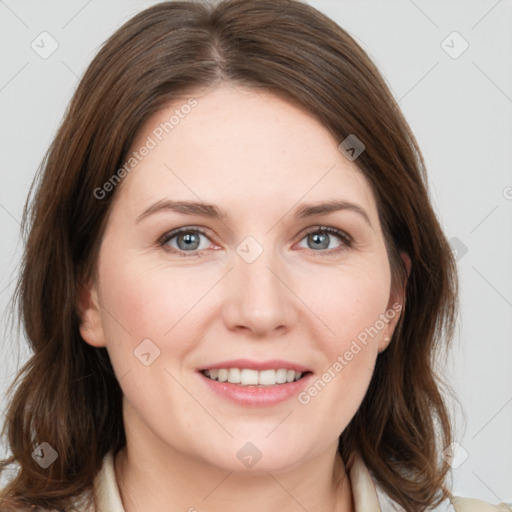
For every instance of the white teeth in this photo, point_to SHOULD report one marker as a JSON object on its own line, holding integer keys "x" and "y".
{"x": 249, "y": 377}
{"x": 246, "y": 377}
{"x": 267, "y": 377}
{"x": 281, "y": 376}
{"x": 234, "y": 376}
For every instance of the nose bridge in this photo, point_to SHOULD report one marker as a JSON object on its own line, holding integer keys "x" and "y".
{"x": 257, "y": 297}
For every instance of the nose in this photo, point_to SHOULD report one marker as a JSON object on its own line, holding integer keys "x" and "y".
{"x": 257, "y": 298}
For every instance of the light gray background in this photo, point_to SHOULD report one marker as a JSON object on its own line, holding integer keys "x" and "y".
{"x": 459, "y": 109}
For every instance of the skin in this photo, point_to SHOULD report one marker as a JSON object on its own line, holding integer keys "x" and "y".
{"x": 257, "y": 157}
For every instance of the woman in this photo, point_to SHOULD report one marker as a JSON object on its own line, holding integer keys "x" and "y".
{"x": 234, "y": 282}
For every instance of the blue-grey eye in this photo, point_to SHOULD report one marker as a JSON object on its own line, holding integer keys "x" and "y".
{"x": 186, "y": 240}
{"x": 320, "y": 238}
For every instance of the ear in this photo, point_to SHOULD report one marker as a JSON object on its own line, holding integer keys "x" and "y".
{"x": 91, "y": 326}
{"x": 395, "y": 307}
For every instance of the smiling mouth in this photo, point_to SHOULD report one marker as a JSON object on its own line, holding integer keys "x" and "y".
{"x": 248, "y": 377}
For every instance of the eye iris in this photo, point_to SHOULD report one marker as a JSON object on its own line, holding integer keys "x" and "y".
{"x": 191, "y": 240}
{"x": 321, "y": 240}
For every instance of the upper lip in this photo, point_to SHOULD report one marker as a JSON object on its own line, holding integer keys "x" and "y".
{"x": 270, "y": 364}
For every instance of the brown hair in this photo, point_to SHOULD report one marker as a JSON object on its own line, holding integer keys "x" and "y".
{"x": 67, "y": 393}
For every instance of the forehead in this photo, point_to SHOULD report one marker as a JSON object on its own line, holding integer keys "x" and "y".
{"x": 240, "y": 147}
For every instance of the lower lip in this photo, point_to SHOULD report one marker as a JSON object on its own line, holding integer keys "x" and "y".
{"x": 257, "y": 396}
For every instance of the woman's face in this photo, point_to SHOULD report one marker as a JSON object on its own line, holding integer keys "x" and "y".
{"x": 252, "y": 276}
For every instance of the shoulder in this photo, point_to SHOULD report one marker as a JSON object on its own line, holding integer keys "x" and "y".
{"x": 474, "y": 505}
{"x": 370, "y": 495}
{"x": 455, "y": 504}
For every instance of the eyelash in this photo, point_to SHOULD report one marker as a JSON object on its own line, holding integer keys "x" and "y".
{"x": 346, "y": 239}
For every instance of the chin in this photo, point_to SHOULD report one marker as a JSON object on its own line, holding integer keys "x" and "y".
{"x": 257, "y": 457}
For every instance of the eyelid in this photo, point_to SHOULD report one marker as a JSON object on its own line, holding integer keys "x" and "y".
{"x": 330, "y": 230}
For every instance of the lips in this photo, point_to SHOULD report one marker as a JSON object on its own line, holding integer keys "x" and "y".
{"x": 256, "y": 395}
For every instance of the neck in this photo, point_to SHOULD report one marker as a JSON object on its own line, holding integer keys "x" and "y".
{"x": 151, "y": 480}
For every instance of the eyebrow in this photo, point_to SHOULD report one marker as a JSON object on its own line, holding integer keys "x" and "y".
{"x": 212, "y": 211}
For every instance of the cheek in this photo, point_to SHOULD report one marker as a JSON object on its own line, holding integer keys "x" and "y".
{"x": 141, "y": 304}
{"x": 339, "y": 388}
{"x": 353, "y": 306}
{"x": 352, "y": 302}
{"x": 147, "y": 300}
